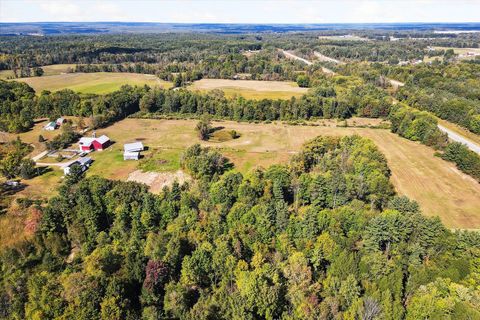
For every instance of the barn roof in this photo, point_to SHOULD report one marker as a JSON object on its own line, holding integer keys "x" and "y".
{"x": 103, "y": 139}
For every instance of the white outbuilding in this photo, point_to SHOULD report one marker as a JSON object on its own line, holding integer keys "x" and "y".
{"x": 131, "y": 151}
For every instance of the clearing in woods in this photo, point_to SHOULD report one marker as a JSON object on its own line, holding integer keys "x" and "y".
{"x": 437, "y": 185}
{"x": 97, "y": 82}
{"x": 440, "y": 188}
{"x": 251, "y": 89}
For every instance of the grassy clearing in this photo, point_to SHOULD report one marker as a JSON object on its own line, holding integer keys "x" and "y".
{"x": 97, "y": 83}
{"x": 251, "y": 89}
{"x": 436, "y": 184}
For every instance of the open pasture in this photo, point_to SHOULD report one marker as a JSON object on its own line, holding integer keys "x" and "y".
{"x": 97, "y": 82}
{"x": 437, "y": 185}
{"x": 251, "y": 89}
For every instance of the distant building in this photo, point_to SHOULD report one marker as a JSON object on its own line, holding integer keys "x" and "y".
{"x": 50, "y": 126}
{"x": 131, "y": 151}
{"x": 92, "y": 143}
{"x": 84, "y": 163}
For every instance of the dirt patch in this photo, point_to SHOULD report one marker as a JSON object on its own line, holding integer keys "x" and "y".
{"x": 157, "y": 180}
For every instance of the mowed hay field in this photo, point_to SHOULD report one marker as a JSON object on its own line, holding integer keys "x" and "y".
{"x": 251, "y": 89}
{"x": 440, "y": 188}
{"x": 97, "y": 82}
{"x": 437, "y": 185}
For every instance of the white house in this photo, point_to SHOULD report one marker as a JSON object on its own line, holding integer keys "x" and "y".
{"x": 131, "y": 151}
{"x": 50, "y": 126}
{"x": 84, "y": 163}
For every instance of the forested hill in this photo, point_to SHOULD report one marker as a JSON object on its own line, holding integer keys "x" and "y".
{"x": 322, "y": 238}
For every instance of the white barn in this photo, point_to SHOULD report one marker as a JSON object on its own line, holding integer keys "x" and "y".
{"x": 83, "y": 162}
{"x": 131, "y": 151}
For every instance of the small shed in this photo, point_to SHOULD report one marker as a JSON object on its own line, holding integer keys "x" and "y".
{"x": 101, "y": 143}
{"x": 50, "y": 126}
{"x": 133, "y": 147}
{"x": 131, "y": 151}
{"x": 131, "y": 155}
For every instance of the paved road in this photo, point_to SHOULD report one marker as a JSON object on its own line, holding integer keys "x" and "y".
{"x": 458, "y": 138}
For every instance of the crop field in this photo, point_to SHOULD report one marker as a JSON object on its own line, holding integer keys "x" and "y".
{"x": 251, "y": 89}
{"x": 97, "y": 82}
{"x": 437, "y": 185}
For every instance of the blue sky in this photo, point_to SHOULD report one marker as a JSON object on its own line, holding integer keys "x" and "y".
{"x": 246, "y": 11}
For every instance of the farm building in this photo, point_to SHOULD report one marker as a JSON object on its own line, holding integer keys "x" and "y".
{"x": 101, "y": 142}
{"x": 84, "y": 163}
{"x": 131, "y": 151}
{"x": 91, "y": 143}
{"x": 131, "y": 155}
{"x": 50, "y": 126}
{"x": 86, "y": 143}
{"x": 60, "y": 121}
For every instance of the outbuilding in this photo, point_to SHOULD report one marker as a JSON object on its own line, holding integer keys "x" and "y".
{"x": 92, "y": 143}
{"x": 131, "y": 155}
{"x": 60, "y": 121}
{"x": 86, "y": 143}
{"x": 50, "y": 126}
{"x": 131, "y": 151}
{"x": 83, "y": 162}
{"x": 101, "y": 143}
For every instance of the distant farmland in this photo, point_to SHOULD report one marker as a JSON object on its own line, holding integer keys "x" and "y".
{"x": 98, "y": 82}
{"x": 251, "y": 89}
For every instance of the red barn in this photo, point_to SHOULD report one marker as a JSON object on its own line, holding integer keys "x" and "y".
{"x": 87, "y": 144}
{"x": 101, "y": 142}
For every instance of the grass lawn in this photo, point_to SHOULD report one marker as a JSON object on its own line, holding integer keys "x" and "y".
{"x": 97, "y": 83}
{"x": 251, "y": 89}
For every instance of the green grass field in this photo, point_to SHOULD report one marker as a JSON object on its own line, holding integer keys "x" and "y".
{"x": 97, "y": 83}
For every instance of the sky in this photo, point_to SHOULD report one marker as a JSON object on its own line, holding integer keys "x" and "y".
{"x": 246, "y": 11}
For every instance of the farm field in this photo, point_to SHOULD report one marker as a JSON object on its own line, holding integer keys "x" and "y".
{"x": 97, "y": 82}
{"x": 436, "y": 184}
{"x": 251, "y": 89}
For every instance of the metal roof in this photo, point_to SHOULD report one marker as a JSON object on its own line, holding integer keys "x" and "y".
{"x": 132, "y": 147}
{"x": 102, "y": 139}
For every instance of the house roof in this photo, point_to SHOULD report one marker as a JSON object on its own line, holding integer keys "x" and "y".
{"x": 131, "y": 147}
{"x": 86, "y": 141}
{"x": 84, "y": 160}
{"x": 51, "y": 124}
{"x": 102, "y": 139}
{"x": 61, "y": 120}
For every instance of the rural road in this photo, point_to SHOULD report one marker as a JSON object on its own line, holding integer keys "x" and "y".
{"x": 309, "y": 63}
{"x": 322, "y": 57}
{"x": 458, "y": 138}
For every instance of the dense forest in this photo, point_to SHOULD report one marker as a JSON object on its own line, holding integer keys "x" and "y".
{"x": 324, "y": 237}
